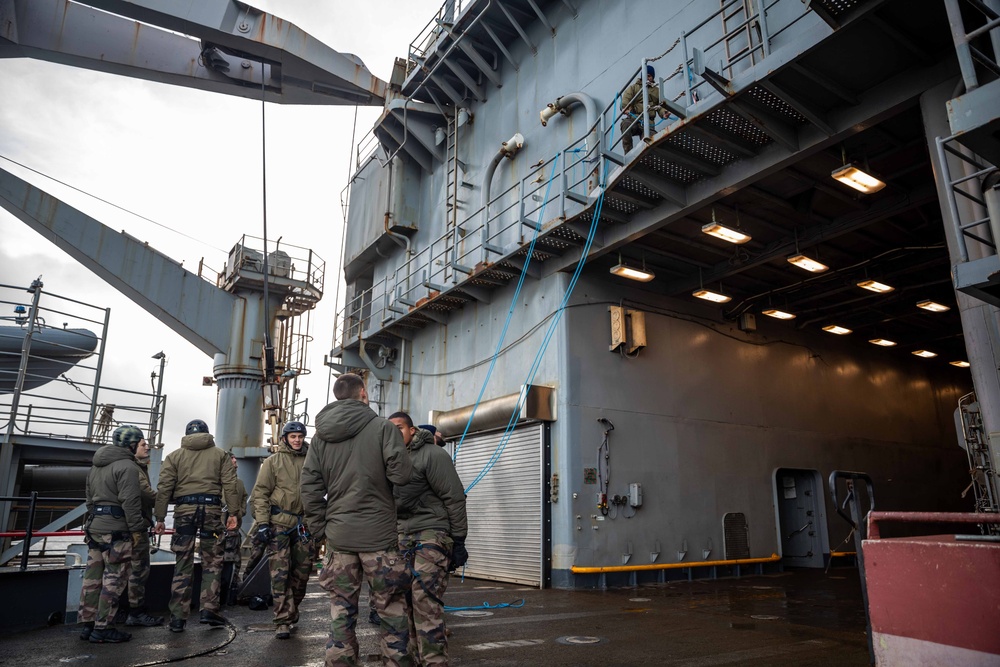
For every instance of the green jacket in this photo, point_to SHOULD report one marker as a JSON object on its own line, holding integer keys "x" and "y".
{"x": 240, "y": 509}
{"x": 114, "y": 480}
{"x": 352, "y": 463}
{"x": 435, "y": 497}
{"x": 148, "y": 494}
{"x": 197, "y": 467}
{"x": 632, "y": 99}
{"x": 278, "y": 484}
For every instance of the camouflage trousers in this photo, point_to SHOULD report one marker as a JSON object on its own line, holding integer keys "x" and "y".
{"x": 290, "y": 560}
{"x": 140, "y": 573}
{"x": 104, "y": 579}
{"x": 209, "y": 538}
{"x": 428, "y": 554}
{"x": 342, "y": 576}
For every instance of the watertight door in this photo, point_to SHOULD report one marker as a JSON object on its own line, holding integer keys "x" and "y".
{"x": 800, "y": 517}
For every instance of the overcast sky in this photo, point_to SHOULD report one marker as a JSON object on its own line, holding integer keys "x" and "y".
{"x": 190, "y": 161}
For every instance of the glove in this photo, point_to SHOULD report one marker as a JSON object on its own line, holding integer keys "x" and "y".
{"x": 459, "y": 554}
{"x": 137, "y": 539}
{"x": 264, "y": 533}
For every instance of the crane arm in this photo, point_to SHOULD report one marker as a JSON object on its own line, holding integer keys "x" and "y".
{"x": 194, "y": 308}
{"x": 222, "y": 46}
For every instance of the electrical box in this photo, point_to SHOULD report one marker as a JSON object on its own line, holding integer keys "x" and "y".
{"x": 635, "y": 494}
{"x": 748, "y": 322}
{"x": 617, "y": 327}
{"x": 637, "y": 326}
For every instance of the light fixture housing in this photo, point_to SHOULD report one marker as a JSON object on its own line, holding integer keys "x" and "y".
{"x": 632, "y": 273}
{"x": 709, "y": 295}
{"x": 810, "y": 265}
{"x": 856, "y": 178}
{"x": 882, "y": 341}
{"x": 933, "y": 306}
{"x": 836, "y": 329}
{"x": 926, "y": 354}
{"x": 725, "y": 233}
{"x": 778, "y": 314}
{"x": 960, "y": 364}
{"x": 875, "y": 286}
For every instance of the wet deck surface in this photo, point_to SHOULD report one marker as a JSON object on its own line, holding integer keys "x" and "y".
{"x": 795, "y": 619}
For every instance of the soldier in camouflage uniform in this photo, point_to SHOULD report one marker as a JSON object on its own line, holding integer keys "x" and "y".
{"x": 432, "y": 523}
{"x": 352, "y": 463}
{"x": 114, "y": 524}
{"x": 277, "y": 509}
{"x": 200, "y": 480}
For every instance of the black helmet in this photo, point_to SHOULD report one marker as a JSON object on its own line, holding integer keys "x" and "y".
{"x": 293, "y": 427}
{"x": 127, "y": 436}
{"x": 196, "y": 426}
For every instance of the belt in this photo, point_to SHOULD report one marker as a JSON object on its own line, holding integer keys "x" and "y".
{"x": 198, "y": 499}
{"x": 113, "y": 510}
{"x": 277, "y": 510}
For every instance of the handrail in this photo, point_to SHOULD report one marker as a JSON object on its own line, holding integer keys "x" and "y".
{"x": 874, "y": 518}
{"x": 601, "y": 569}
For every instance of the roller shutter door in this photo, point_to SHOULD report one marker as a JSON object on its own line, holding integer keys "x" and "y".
{"x": 505, "y": 507}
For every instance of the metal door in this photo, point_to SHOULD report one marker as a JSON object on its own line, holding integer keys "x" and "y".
{"x": 505, "y": 507}
{"x": 801, "y": 519}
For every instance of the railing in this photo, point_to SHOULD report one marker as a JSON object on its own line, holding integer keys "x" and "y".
{"x": 500, "y": 227}
{"x": 971, "y": 220}
{"x": 969, "y": 55}
{"x": 422, "y": 43}
{"x": 283, "y": 261}
{"x": 29, "y": 532}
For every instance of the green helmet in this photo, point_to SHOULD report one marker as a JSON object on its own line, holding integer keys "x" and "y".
{"x": 127, "y": 436}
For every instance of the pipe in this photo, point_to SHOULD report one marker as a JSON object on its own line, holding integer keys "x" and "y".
{"x": 577, "y": 569}
{"x": 562, "y": 105}
{"x": 507, "y": 149}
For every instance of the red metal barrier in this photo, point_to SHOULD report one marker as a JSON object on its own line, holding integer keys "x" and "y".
{"x": 933, "y": 600}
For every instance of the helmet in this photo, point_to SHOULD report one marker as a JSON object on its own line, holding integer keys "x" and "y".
{"x": 293, "y": 427}
{"x": 196, "y": 426}
{"x": 127, "y": 436}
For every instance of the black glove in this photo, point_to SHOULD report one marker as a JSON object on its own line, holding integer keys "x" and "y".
{"x": 263, "y": 534}
{"x": 459, "y": 554}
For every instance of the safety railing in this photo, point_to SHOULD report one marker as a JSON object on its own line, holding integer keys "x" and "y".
{"x": 967, "y": 42}
{"x": 284, "y": 260}
{"x": 718, "y": 42}
{"x": 422, "y": 43}
{"x": 33, "y": 510}
{"x": 964, "y": 196}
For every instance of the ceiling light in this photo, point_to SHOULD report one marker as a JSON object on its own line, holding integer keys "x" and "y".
{"x": 626, "y": 271}
{"x": 778, "y": 314}
{"x": 709, "y": 295}
{"x": 856, "y": 178}
{"x": 926, "y": 354}
{"x": 875, "y": 286}
{"x": 834, "y": 329}
{"x": 933, "y": 306}
{"x": 808, "y": 264}
{"x": 960, "y": 364}
{"x": 725, "y": 233}
{"x": 883, "y": 342}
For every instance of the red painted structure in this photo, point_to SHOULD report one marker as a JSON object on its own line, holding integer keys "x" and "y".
{"x": 933, "y": 600}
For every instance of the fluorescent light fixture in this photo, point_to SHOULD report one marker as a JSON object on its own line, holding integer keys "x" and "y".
{"x": 933, "y": 306}
{"x": 778, "y": 314}
{"x": 626, "y": 271}
{"x": 926, "y": 354}
{"x": 808, "y": 264}
{"x": 883, "y": 342}
{"x": 834, "y": 329}
{"x": 725, "y": 233}
{"x": 853, "y": 177}
{"x": 960, "y": 364}
{"x": 875, "y": 286}
{"x": 709, "y": 295}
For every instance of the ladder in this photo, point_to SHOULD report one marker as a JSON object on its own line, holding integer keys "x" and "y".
{"x": 739, "y": 34}
{"x": 977, "y": 448}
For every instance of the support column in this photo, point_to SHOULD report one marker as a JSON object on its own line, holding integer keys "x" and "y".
{"x": 980, "y": 320}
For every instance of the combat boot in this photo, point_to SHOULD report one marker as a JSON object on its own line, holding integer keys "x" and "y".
{"x": 86, "y": 630}
{"x": 211, "y": 618}
{"x": 177, "y": 624}
{"x": 109, "y": 636}
{"x": 143, "y": 619}
{"x": 374, "y": 618}
{"x": 283, "y": 632}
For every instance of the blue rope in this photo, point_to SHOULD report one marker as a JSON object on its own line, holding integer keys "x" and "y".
{"x": 505, "y": 438}
{"x": 510, "y": 311}
{"x": 486, "y": 605}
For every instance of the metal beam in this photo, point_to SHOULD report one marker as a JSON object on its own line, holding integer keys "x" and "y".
{"x": 469, "y": 82}
{"x": 826, "y": 82}
{"x": 706, "y": 133}
{"x": 671, "y": 154}
{"x": 503, "y": 49}
{"x": 803, "y": 108}
{"x": 148, "y": 39}
{"x": 480, "y": 62}
{"x": 192, "y": 307}
{"x": 669, "y": 191}
{"x": 541, "y": 16}
{"x": 517, "y": 27}
{"x": 447, "y": 88}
